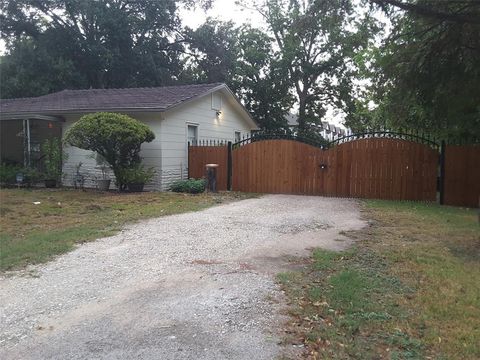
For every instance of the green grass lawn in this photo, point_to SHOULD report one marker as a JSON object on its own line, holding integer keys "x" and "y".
{"x": 409, "y": 289}
{"x": 33, "y": 233}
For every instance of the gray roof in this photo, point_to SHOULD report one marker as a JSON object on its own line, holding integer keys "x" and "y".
{"x": 154, "y": 98}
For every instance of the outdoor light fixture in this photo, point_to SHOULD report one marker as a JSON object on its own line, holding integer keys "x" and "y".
{"x": 219, "y": 112}
{"x": 323, "y": 166}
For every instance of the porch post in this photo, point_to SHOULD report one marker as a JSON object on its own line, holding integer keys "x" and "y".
{"x": 25, "y": 151}
{"x": 26, "y": 142}
{"x": 29, "y": 149}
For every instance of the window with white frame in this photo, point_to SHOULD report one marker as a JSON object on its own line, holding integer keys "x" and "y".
{"x": 237, "y": 136}
{"x": 192, "y": 134}
{"x": 216, "y": 101}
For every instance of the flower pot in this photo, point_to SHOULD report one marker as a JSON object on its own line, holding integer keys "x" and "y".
{"x": 104, "y": 184}
{"x": 135, "y": 187}
{"x": 50, "y": 183}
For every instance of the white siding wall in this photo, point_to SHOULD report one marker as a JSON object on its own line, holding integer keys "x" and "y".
{"x": 168, "y": 152}
{"x": 210, "y": 127}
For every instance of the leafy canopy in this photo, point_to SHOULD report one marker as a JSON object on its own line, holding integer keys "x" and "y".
{"x": 426, "y": 74}
{"x": 317, "y": 41}
{"x": 61, "y": 44}
{"x": 243, "y": 58}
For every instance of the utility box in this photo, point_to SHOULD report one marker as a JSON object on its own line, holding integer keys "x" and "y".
{"x": 211, "y": 175}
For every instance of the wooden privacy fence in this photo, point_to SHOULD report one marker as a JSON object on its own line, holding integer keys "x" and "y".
{"x": 371, "y": 167}
{"x": 199, "y": 156}
{"x": 366, "y": 168}
{"x": 461, "y": 186}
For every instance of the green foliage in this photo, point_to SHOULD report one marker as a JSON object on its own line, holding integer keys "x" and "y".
{"x": 8, "y": 173}
{"x": 192, "y": 186}
{"x": 53, "y": 158}
{"x": 116, "y": 137}
{"x": 242, "y": 57}
{"x": 52, "y": 45}
{"x": 317, "y": 42}
{"x": 426, "y": 73}
{"x": 33, "y": 69}
{"x": 135, "y": 175}
{"x": 31, "y": 175}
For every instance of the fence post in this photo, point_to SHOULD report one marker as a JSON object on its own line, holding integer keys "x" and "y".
{"x": 229, "y": 166}
{"x": 442, "y": 173}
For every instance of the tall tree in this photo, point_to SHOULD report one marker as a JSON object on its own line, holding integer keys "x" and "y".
{"x": 317, "y": 41}
{"x": 243, "y": 58}
{"x": 110, "y": 43}
{"x": 427, "y": 73}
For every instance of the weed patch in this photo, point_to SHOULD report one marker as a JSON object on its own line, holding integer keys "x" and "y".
{"x": 409, "y": 289}
{"x": 39, "y": 224}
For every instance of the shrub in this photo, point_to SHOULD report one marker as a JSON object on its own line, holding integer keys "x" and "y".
{"x": 8, "y": 173}
{"x": 192, "y": 186}
{"x": 136, "y": 175}
{"x": 116, "y": 137}
{"x": 52, "y": 150}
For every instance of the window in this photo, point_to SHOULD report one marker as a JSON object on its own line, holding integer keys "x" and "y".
{"x": 238, "y": 136}
{"x": 216, "y": 101}
{"x": 192, "y": 134}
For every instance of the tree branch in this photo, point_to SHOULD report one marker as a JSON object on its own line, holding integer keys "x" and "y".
{"x": 431, "y": 12}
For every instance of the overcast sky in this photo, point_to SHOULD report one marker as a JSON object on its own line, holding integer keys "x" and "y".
{"x": 224, "y": 10}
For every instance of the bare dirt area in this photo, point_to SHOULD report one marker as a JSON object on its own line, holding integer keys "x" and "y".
{"x": 199, "y": 285}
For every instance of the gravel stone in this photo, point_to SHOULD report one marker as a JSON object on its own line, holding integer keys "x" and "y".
{"x": 199, "y": 285}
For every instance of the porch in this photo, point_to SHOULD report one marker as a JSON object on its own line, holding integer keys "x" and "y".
{"x": 21, "y": 138}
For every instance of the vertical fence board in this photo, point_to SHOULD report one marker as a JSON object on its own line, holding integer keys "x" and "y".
{"x": 381, "y": 168}
{"x": 199, "y": 156}
{"x": 462, "y": 175}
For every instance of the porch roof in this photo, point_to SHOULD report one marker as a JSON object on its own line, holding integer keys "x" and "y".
{"x": 6, "y": 117}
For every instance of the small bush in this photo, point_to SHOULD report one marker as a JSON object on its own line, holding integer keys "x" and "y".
{"x": 135, "y": 175}
{"x": 192, "y": 186}
{"x": 54, "y": 155}
{"x": 8, "y": 174}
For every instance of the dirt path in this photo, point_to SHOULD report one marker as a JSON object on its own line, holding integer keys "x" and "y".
{"x": 192, "y": 286}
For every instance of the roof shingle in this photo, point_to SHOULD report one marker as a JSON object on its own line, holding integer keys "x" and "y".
{"x": 159, "y": 98}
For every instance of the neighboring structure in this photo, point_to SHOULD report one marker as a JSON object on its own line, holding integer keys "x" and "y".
{"x": 176, "y": 114}
{"x": 328, "y": 131}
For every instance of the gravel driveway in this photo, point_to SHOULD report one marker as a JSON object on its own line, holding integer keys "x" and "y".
{"x": 191, "y": 286}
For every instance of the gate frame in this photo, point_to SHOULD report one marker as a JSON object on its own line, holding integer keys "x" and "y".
{"x": 414, "y": 136}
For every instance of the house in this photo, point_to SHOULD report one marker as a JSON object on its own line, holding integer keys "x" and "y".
{"x": 328, "y": 131}
{"x": 176, "y": 114}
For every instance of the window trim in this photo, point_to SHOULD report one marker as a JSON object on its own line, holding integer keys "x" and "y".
{"x": 220, "y": 101}
{"x": 234, "y": 135}
{"x": 192, "y": 124}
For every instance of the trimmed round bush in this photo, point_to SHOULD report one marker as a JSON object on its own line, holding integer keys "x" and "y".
{"x": 116, "y": 137}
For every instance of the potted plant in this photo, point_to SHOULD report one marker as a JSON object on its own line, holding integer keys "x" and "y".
{"x": 53, "y": 156}
{"x": 78, "y": 178}
{"x": 136, "y": 177}
{"x": 103, "y": 184}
